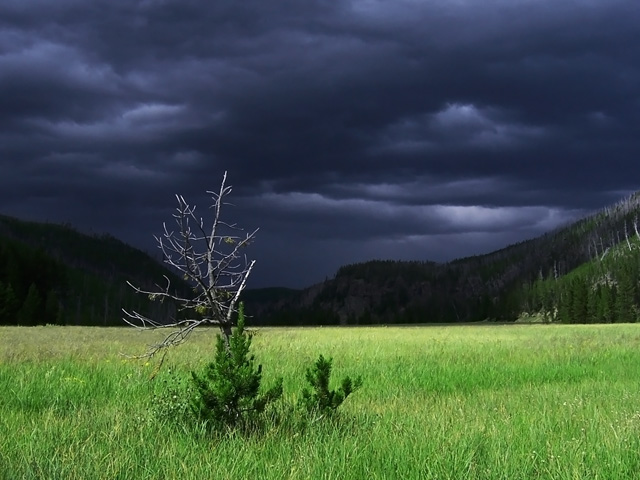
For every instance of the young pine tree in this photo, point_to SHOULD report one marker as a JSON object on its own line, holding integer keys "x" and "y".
{"x": 228, "y": 393}
{"x": 322, "y": 400}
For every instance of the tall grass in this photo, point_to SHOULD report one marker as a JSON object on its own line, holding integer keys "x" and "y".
{"x": 516, "y": 402}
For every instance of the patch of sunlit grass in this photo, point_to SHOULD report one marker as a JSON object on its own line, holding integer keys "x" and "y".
{"x": 512, "y": 402}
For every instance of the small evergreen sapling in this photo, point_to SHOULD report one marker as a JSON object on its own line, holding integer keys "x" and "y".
{"x": 322, "y": 400}
{"x": 228, "y": 392}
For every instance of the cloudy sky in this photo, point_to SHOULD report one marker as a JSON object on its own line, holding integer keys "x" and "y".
{"x": 351, "y": 130}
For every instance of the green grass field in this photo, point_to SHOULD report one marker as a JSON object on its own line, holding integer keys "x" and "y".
{"x": 468, "y": 402}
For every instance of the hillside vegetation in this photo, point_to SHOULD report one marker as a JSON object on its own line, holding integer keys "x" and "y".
{"x": 53, "y": 274}
{"x": 587, "y": 271}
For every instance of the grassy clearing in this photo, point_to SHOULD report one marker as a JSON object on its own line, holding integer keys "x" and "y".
{"x": 512, "y": 402}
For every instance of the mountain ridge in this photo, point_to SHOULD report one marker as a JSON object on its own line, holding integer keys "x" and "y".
{"x": 54, "y": 274}
{"x": 475, "y": 288}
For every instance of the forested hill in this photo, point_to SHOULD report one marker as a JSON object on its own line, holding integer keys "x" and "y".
{"x": 588, "y": 271}
{"x": 585, "y": 272}
{"x": 53, "y": 274}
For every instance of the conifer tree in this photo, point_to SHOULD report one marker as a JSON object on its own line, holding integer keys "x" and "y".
{"x": 8, "y": 304}
{"x": 228, "y": 392}
{"x": 320, "y": 398}
{"x": 593, "y": 302}
{"x": 624, "y": 305}
{"x": 31, "y": 310}
{"x": 565, "y": 300}
{"x": 579, "y": 301}
{"x": 607, "y": 301}
{"x": 51, "y": 307}
{"x": 547, "y": 300}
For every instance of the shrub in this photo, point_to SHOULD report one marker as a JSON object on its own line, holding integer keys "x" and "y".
{"x": 321, "y": 400}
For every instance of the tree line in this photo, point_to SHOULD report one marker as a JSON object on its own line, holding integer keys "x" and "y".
{"x": 31, "y": 285}
{"x": 51, "y": 274}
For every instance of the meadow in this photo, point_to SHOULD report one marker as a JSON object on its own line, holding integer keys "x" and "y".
{"x": 463, "y": 402}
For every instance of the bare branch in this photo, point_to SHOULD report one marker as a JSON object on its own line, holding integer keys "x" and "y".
{"x": 210, "y": 261}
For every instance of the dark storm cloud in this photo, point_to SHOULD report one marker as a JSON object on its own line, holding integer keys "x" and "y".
{"x": 352, "y": 130}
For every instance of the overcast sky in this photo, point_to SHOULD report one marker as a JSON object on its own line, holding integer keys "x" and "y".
{"x": 351, "y": 130}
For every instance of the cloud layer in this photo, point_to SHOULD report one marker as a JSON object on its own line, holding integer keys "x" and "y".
{"x": 350, "y": 129}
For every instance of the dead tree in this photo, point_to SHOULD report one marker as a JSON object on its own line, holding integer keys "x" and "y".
{"x": 626, "y": 235}
{"x": 210, "y": 259}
